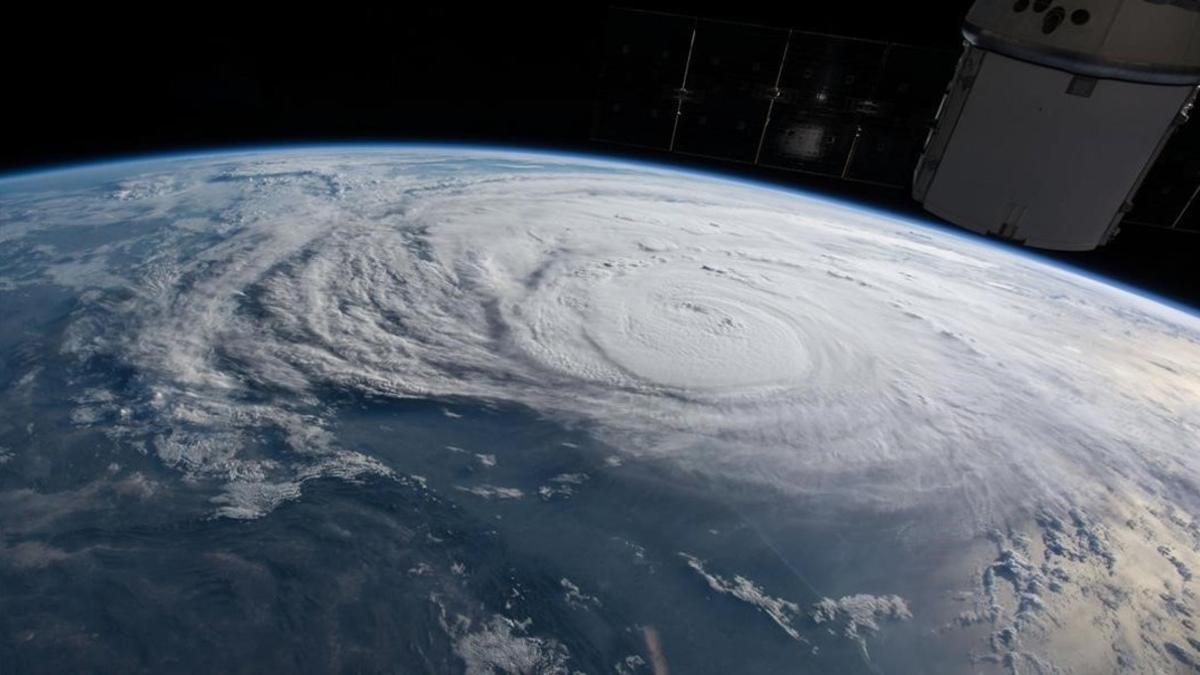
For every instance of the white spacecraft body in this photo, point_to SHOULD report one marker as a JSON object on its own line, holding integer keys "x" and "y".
{"x": 1056, "y": 111}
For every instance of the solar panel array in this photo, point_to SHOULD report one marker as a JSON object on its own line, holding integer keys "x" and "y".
{"x": 1170, "y": 194}
{"x": 838, "y": 106}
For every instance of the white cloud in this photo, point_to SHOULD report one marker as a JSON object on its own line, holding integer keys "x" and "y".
{"x": 784, "y": 613}
{"x": 806, "y": 346}
{"x": 492, "y": 491}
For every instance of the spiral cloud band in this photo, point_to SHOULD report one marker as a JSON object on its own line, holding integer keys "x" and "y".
{"x": 758, "y": 335}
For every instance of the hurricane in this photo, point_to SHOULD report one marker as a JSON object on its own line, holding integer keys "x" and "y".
{"x": 756, "y": 337}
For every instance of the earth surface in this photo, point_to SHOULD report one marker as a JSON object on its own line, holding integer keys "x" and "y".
{"x": 436, "y": 409}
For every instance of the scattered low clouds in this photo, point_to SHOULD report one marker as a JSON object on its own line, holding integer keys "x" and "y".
{"x": 855, "y": 617}
{"x": 499, "y": 645}
{"x": 575, "y": 597}
{"x": 492, "y": 491}
{"x": 784, "y": 613}
{"x": 858, "y": 616}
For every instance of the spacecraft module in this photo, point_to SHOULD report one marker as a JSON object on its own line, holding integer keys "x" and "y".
{"x": 1056, "y": 111}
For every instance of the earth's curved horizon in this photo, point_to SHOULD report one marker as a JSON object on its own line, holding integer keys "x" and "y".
{"x": 411, "y": 407}
{"x": 51, "y": 169}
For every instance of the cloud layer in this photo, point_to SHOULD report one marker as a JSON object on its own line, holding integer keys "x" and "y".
{"x": 755, "y": 335}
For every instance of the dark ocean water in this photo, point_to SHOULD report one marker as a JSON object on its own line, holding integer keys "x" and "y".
{"x": 121, "y": 567}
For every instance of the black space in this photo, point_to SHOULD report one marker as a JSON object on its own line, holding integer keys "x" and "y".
{"x": 101, "y": 81}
